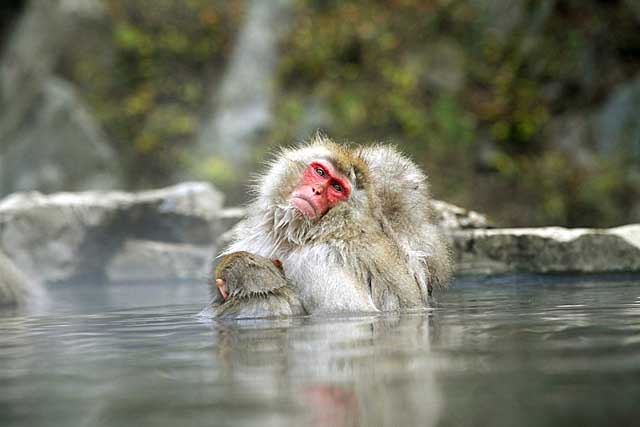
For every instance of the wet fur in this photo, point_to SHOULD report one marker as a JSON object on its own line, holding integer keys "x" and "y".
{"x": 376, "y": 251}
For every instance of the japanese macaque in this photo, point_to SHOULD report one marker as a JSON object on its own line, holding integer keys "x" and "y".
{"x": 334, "y": 229}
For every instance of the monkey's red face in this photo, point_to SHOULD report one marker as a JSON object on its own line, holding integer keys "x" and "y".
{"x": 321, "y": 188}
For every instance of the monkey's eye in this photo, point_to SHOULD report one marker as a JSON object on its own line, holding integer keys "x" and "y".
{"x": 320, "y": 171}
{"x": 337, "y": 187}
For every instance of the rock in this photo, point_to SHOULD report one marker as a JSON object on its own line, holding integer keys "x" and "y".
{"x": 547, "y": 250}
{"x": 73, "y": 236}
{"x": 15, "y": 288}
{"x": 145, "y": 260}
{"x": 231, "y": 216}
{"x": 60, "y": 146}
{"x": 49, "y": 141}
{"x": 451, "y": 216}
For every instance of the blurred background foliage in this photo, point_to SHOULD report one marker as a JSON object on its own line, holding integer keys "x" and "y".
{"x": 148, "y": 81}
{"x": 507, "y": 105}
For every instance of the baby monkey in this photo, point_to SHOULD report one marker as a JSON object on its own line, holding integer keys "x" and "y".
{"x": 333, "y": 229}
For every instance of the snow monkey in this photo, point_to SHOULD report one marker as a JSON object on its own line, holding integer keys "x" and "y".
{"x": 333, "y": 229}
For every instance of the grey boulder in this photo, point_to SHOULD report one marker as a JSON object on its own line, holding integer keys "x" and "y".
{"x": 547, "y": 250}
{"x": 80, "y": 236}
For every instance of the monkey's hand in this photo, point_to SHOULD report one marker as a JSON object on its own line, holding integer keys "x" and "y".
{"x": 250, "y": 285}
{"x": 242, "y": 274}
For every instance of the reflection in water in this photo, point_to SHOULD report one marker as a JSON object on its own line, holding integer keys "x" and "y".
{"x": 369, "y": 370}
{"x": 514, "y": 351}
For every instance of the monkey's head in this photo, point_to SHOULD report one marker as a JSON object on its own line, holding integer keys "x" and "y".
{"x": 315, "y": 191}
{"x": 321, "y": 187}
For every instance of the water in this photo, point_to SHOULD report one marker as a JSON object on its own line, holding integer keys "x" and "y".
{"x": 517, "y": 351}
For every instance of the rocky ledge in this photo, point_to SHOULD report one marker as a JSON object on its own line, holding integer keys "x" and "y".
{"x": 103, "y": 236}
{"x": 547, "y": 250}
{"x": 172, "y": 234}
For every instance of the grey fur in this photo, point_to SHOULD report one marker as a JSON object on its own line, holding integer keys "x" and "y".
{"x": 378, "y": 251}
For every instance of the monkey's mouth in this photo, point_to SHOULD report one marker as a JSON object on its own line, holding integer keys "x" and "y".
{"x": 304, "y": 205}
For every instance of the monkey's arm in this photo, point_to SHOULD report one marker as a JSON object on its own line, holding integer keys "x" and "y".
{"x": 252, "y": 286}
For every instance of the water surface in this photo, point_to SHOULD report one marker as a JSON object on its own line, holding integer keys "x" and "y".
{"x": 515, "y": 351}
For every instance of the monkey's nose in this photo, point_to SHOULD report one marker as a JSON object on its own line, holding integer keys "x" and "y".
{"x": 317, "y": 189}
